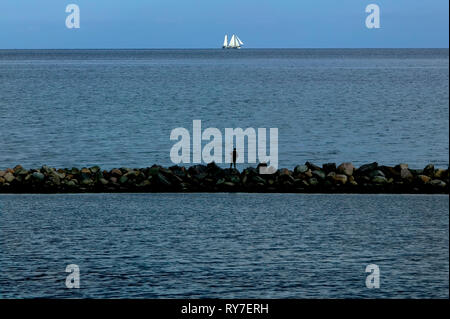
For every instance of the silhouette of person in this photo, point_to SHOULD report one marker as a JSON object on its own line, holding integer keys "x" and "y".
{"x": 234, "y": 156}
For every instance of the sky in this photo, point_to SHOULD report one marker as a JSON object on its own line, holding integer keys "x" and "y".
{"x": 40, "y": 24}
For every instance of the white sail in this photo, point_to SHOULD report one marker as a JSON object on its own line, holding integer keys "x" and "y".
{"x": 225, "y": 41}
{"x": 239, "y": 41}
{"x": 232, "y": 42}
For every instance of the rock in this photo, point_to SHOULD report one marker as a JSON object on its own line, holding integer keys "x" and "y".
{"x": 429, "y": 170}
{"x": 424, "y": 179}
{"x": 116, "y": 172}
{"x": 346, "y": 168}
{"x": 229, "y": 184}
{"x": 300, "y": 183}
{"x": 131, "y": 174}
{"x": 250, "y": 171}
{"x": 331, "y": 175}
{"x": 399, "y": 167}
{"x": 55, "y": 180}
{"x": 313, "y": 167}
{"x": 368, "y": 178}
{"x": 9, "y": 177}
{"x": 416, "y": 172}
{"x": 71, "y": 183}
{"x": 45, "y": 169}
{"x": 376, "y": 172}
{"x": 340, "y": 178}
{"x": 441, "y": 174}
{"x": 21, "y": 172}
{"x": 197, "y": 169}
{"x": 95, "y": 169}
{"x": 285, "y": 171}
{"x": 388, "y": 171}
{"x": 17, "y": 168}
{"x": 213, "y": 168}
{"x": 379, "y": 180}
{"x": 235, "y": 179}
{"x": 329, "y": 167}
{"x": 308, "y": 173}
{"x": 85, "y": 170}
{"x": 87, "y": 181}
{"x": 319, "y": 174}
{"x": 363, "y": 169}
{"x": 406, "y": 174}
{"x": 145, "y": 183}
{"x": 438, "y": 183}
{"x": 60, "y": 175}
{"x": 123, "y": 179}
{"x": 163, "y": 180}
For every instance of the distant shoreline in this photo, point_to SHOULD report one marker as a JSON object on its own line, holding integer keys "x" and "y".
{"x": 308, "y": 178}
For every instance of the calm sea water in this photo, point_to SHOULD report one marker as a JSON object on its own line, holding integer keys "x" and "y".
{"x": 117, "y": 108}
{"x": 224, "y": 245}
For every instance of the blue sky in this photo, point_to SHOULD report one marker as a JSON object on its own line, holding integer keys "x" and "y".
{"x": 203, "y": 23}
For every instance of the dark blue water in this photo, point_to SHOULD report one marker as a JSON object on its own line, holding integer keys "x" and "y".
{"x": 117, "y": 108}
{"x": 224, "y": 245}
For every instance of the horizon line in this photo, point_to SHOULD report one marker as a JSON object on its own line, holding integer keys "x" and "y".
{"x": 219, "y": 48}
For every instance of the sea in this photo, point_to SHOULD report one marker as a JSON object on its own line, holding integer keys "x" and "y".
{"x": 117, "y": 108}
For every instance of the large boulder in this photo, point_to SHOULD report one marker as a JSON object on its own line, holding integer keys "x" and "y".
{"x": 406, "y": 174}
{"x": 441, "y": 174}
{"x": 300, "y": 169}
{"x": 9, "y": 177}
{"x": 319, "y": 174}
{"x": 379, "y": 180}
{"x": 340, "y": 178}
{"x": 429, "y": 170}
{"x": 38, "y": 176}
{"x": 346, "y": 169}
{"x": 424, "y": 179}
{"x": 366, "y": 168}
{"x": 313, "y": 167}
{"x": 376, "y": 172}
{"x": 438, "y": 183}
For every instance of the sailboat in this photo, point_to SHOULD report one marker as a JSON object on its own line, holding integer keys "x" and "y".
{"x": 235, "y": 42}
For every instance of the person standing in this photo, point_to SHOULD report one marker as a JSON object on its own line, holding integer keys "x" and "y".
{"x": 234, "y": 158}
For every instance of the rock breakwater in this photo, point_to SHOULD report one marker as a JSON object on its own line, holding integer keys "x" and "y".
{"x": 307, "y": 178}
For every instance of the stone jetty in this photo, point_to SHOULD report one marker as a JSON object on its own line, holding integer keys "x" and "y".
{"x": 307, "y": 178}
